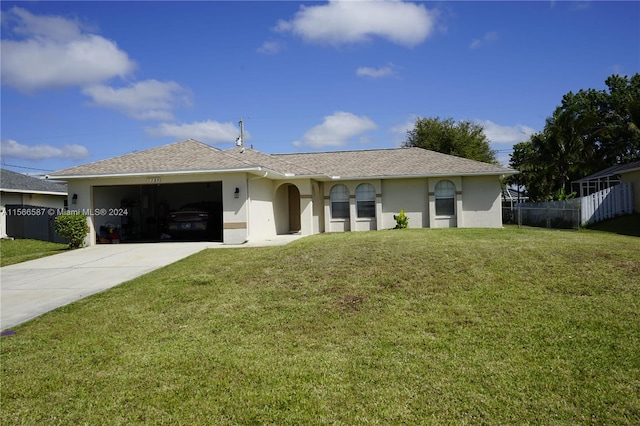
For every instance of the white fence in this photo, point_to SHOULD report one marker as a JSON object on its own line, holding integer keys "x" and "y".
{"x": 614, "y": 201}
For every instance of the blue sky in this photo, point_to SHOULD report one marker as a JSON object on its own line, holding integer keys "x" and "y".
{"x": 86, "y": 81}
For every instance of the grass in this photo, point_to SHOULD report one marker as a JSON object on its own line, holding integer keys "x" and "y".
{"x": 16, "y": 251}
{"x": 389, "y": 327}
{"x": 623, "y": 225}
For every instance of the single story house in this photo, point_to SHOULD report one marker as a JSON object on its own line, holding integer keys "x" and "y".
{"x": 17, "y": 189}
{"x": 258, "y": 196}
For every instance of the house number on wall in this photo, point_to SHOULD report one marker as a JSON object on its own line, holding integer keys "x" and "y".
{"x": 153, "y": 180}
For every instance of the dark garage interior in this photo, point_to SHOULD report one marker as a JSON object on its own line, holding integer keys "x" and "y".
{"x": 158, "y": 212}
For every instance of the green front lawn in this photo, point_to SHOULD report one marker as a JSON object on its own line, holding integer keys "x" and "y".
{"x": 389, "y": 327}
{"x": 16, "y": 251}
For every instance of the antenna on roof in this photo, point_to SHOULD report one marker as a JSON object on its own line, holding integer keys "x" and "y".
{"x": 240, "y": 139}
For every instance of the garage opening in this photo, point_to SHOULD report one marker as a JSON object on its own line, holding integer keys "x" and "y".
{"x": 158, "y": 212}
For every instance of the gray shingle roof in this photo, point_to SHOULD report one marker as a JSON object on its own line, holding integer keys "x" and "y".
{"x": 188, "y": 155}
{"x": 16, "y": 182}
{"x": 192, "y": 155}
{"x": 271, "y": 162}
{"x": 391, "y": 162}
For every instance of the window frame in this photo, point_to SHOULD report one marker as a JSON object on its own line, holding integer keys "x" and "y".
{"x": 343, "y": 201}
{"x": 366, "y": 208}
{"x": 449, "y": 197}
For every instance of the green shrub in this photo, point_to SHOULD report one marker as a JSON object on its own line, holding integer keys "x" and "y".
{"x": 402, "y": 220}
{"x": 73, "y": 227}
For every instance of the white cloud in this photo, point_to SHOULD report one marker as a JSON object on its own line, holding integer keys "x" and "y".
{"x": 581, "y": 5}
{"x": 489, "y": 37}
{"x": 53, "y": 27}
{"x": 204, "y": 131}
{"x": 400, "y": 131}
{"x": 376, "y": 72}
{"x": 57, "y": 52}
{"x": 498, "y": 134}
{"x": 340, "y": 22}
{"x": 615, "y": 69}
{"x": 13, "y": 149}
{"x": 270, "y": 48}
{"x": 144, "y": 100}
{"x": 502, "y": 138}
{"x": 336, "y": 130}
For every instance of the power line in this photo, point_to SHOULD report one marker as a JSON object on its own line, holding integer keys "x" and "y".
{"x": 24, "y": 167}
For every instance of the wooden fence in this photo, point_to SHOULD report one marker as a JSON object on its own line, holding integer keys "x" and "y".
{"x": 608, "y": 203}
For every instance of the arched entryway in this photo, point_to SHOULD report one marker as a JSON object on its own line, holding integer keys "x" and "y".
{"x": 287, "y": 209}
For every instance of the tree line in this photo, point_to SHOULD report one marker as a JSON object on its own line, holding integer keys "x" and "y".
{"x": 590, "y": 131}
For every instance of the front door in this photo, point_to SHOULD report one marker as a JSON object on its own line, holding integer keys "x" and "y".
{"x": 294, "y": 209}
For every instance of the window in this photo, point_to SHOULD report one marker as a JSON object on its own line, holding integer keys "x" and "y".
{"x": 339, "y": 197}
{"x": 366, "y": 200}
{"x": 445, "y": 198}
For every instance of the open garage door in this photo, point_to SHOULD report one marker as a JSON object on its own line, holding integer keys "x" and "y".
{"x": 158, "y": 212}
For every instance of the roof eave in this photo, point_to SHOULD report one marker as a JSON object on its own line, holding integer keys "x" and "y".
{"x": 28, "y": 191}
{"x": 430, "y": 175}
{"x": 319, "y": 177}
{"x": 154, "y": 173}
{"x": 635, "y": 169}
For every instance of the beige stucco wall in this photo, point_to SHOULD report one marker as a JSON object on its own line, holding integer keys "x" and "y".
{"x": 261, "y": 208}
{"x": 10, "y": 198}
{"x": 317, "y": 196}
{"x": 481, "y": 202}
{"x": 306, "y": 206}
{"x": 634, "y": 178}
{"x": 235, "y": 210}
{"x": 84, "y": 192}
{"x": 43, "y": 200}
{"x": 408, "y": 194}
{"x": 477, "y": 204}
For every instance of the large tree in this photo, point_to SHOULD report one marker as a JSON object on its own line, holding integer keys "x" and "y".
{"x": 463, "y": 139}
{"x": 590, "y": 131}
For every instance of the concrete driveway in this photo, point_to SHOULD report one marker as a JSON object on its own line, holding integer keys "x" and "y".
{"x": 29, "y": 289}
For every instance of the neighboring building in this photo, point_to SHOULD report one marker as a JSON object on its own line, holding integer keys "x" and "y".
{"x": 612, "y": 176}
{"x": 631, "y": 173}
{"x": 21, "y": 190}
{"x": 258, "y": 196}
{"x": 512, "y": 196}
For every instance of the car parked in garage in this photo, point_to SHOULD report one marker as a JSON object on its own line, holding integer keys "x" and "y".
{"x": 192, "y": 221}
